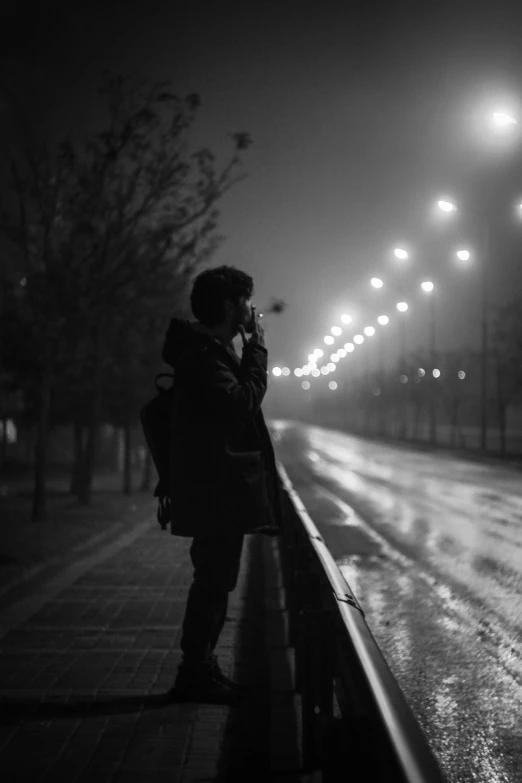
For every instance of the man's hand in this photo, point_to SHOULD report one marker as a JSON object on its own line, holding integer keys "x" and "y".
{"x": 258, "y": 333}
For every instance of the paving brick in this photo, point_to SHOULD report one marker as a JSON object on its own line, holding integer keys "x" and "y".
{"x": 81, "y": 678}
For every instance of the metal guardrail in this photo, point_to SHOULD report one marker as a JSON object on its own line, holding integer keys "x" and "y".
{"x": 376, "y": 737}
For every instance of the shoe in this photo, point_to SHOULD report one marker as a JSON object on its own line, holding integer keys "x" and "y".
{"x": 218, "y": 674}
{"x": 200, "y": 684}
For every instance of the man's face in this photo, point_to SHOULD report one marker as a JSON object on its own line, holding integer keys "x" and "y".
{"x": 243, "y": 316}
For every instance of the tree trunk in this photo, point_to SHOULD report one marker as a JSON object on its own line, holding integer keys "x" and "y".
{"x": 147, "y": 472}
{"x": 454, "y": 424}
{"x": 416, "y": 420}
{"x": 502, "y": 428}
{"x": 84, "y": 495}
{"x": 3, "y": 459}
{"x": 39, "y": 510}
{"x": 127, "y": 459}
{"x": 29, "y": 446}
{"x": 76, "y": 472}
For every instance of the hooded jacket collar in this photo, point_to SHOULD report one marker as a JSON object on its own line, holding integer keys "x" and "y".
{"x": 183, "y": 335}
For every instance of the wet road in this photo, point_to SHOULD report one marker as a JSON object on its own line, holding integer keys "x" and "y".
{"x": 432, "y": 547}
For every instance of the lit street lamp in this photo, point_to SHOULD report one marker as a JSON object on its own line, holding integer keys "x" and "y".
{"x": 446, "y": 206}
{"x": 463, "y": 255}
{"x": 503, "y": 119}
{"x": 376, "y": 282}
{"x": 400, "y": 253}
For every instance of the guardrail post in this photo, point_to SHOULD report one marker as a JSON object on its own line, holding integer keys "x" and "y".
{"x": 316, "y": 673}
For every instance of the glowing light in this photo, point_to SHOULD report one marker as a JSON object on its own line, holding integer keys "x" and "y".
{"x": 427, "y": 286}
{"x": 336, "y": 330}
{"x": 400, "y": 253}
{"x": 503, "y": 119}
{"x": 346, "y": 319}
{"x": 324, "y": 370}
{"x": 276, "y": 371}
{"x": 349, "y": 347}
{"x": 436, "y": 373}
{"x": 383, "y": 320}
{"x": 376, "y": 391}
{"x": 376, "y": 282}
{"x": 23, "y": 281}
{"x": 402, "y": 307}
{"x": 461, "y": 374}
{"x": 316, "y": 373}
{"x": 298, "y": 372}
{"x": 463, "y": 255}
{"x": 404, "y": 379}
{"x": 446, "y": 206}
{"x": 332, "y": 385}
{"x": 286, "y": 370}
{"x": 329, "y": 340}
{"x": 421, "y": 372}
{"x": 335, "y": 357}
{"x": 318, "y": 353}
{"x": 341, "y": 352}
{"x": 305, "y": 384}
{"x": 331, "y": 366}
{"x": 311, "y": 357}
{"x": 359, "y": 339}
{"x": 369, "y": 331}
{"x": 306, "y": 370}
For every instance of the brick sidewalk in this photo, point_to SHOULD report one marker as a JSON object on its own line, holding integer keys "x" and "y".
{"x": 84, "y": 667}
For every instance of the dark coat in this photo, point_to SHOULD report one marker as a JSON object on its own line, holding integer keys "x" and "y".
{"x": 222, "y": 471}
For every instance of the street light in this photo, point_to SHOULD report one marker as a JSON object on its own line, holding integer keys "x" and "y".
{"x": 446, "y": 206}
{"x": 401, "y": 307}
{"x": 400, "y": 253}
{"x": 369, "y": 331}
{"x": 346, "y": 319}
{"x": 336, "y": 330}
{"x": 427, "y": 286}
{"x": 463, "y": 255}
{"x": 503, "y": 119}
{"x": 383, "y": 320}
{"x": 376, "y": 282}
{"x": 359, "y": 339}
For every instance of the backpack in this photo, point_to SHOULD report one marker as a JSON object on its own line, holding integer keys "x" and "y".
{"x": 155, "y": 421}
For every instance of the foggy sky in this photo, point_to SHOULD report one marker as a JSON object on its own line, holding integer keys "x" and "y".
{"x": 361, "y": 115}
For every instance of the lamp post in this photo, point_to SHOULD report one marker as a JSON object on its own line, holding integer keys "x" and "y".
{"x": 382, "y": 320}
{"x": 402, "y": 308}
{"x": 429, "y": 288}
{"x": 484, "y": 234}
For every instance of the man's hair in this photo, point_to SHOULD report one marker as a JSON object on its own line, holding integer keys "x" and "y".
{"x": 212, "y": 287}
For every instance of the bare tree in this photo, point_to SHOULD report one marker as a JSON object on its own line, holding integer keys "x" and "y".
{"x": 100, "y": 223}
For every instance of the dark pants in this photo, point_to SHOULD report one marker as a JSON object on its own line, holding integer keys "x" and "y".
{"x": 216, "y": 561}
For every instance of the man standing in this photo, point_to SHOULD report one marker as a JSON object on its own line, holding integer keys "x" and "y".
{"x": 223, "y": 480}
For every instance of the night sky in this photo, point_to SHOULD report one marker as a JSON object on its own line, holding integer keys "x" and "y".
{"x": 362, "y": 114}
